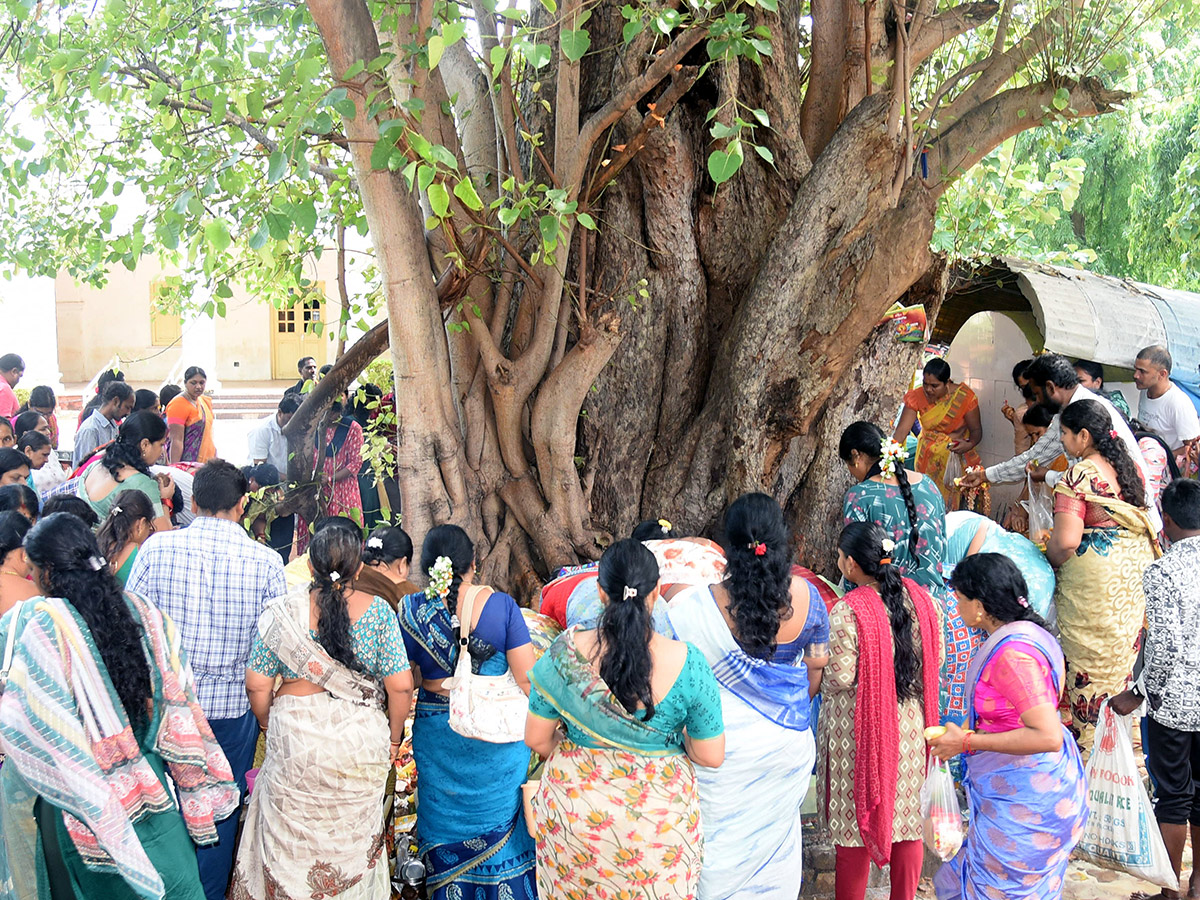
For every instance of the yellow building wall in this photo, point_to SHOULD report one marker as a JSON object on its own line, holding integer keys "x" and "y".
{"x": 96, "y": 324}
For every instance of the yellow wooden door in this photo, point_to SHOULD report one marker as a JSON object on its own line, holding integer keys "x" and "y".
{"x": 297, "y": 332}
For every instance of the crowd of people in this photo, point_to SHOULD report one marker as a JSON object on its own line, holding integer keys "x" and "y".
{"x": 651, "y": 730}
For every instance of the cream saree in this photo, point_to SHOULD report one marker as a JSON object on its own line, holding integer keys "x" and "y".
{"x": 315, "y": 823}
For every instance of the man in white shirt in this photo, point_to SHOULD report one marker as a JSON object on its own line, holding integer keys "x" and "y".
{"x": 267, "y": 443}
{"x": 100, "y": 427}
{"x": 1164, "y": 408}
{"x": 1055, "y": 385}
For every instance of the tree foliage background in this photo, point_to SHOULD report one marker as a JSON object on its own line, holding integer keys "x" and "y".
{"x": 633, "y": 255}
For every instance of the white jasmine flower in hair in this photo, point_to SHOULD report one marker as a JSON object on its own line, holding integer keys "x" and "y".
{"x": 375, "y": 543}
{"x": 440, "y": 576}
{"x": 888, "y": 545}
{"x": 335, "y": 577}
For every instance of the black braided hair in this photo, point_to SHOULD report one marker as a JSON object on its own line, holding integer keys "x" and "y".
{"x": 867, "y": 439}
{"x": 863, "y": 543}
{"x": 625, "y": 629}
{"x": 334, "y": 552}
{"x": 455, "y": 544}
{"x": 65, "y": 551}
{"x": 1091, "y": 416}
{"x": 126, "y": 450}
{"x": 758, "y": 572}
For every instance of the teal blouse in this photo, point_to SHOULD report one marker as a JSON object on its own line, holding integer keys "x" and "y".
{"x": 566, "y": 688}
{"x": 375, "y": 639}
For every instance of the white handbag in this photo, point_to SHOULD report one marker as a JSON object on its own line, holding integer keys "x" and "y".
{"x": 488, "y": 708}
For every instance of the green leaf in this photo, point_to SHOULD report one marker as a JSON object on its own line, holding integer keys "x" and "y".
{"x": 279, "y": 225}
{"x": 586, "y": 221}
{"x": 765, "y": 153}
{"x": 497, "y": 57}
{"x": 724, "y": 164}
{"x": 439, "y": 199}
{"x": 436, "y": 47}
{"x": 277, "y": 167}
{"x": 465, "y": 192}
{"x": 452, "y": 32}
{"x": 346, "y": 108}
{"x": 548, "y": 226}
{"x": 632, "y": 29}
{"x": 507, "y": 215}
{"x": 355, "y": 69}
{"x": 381, "y": 152}
{"x": 216, "y": 235}
{"x": 1062, "y": 99}
{"x": 425, "y": 175}
{"x": 763, "y": 118}
{"x": 575, "y": 44}
{"x": 305, "y": 216}
{"x": 538, "y": 55}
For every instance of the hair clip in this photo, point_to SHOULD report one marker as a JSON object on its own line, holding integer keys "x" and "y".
{"x": 96, "y": 563}
{"x": 628, "y": 593}
{"x": 665, "y": 525}
{"x": 116, "y": 510}
{"x": 335, "y": 577}
{"x": 759, "y": 548}
{"x": 1112, "y": 433}
{"x": 375, "y": 543}
{"x": 1023, "y": 602}
{"x": 885, "y": 561}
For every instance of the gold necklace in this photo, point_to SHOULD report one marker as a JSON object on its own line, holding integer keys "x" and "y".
{"x": 10, "y": 572}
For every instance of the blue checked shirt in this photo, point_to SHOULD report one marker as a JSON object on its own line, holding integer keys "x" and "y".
{"x": 213, "y": 581}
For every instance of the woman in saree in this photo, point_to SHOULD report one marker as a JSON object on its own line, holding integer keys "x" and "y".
{"x": 751, "y": 629}
{"x": 880, "y": 693}
{"x": 1025, "y": 781}
{"x": 471, "y": 828}
{"x": 190, "y": 421}
{"x": 620, "y": 714}
{"x": 1101, "y": 543}
{"x": 124, "y": 465}
{"x": 315, "y": 823}
{"x": 341, "y": 461}
{"x": 101, "y": 731}
{"x": 969, "y": 533}
{"x": 909, "y": 508}
{"x": 950, "y": 425}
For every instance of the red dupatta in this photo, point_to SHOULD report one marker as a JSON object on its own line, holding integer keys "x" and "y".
{"x": 877, "y": 711}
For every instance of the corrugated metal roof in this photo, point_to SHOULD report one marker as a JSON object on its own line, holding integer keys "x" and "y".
{"x": 1104, "y": 319}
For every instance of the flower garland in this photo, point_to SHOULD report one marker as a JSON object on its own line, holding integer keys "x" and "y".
{"x": 440, "y": 576}
{"x": 891, "y": 455}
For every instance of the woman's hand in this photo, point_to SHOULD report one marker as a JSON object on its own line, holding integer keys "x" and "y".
{"x": 948, "y": 744}
{"x": 166, "y": 484}
{"x": 1036, "y": 472}
{"x": 1008, "y": 412}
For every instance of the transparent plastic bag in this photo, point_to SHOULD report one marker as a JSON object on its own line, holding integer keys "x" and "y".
{"x": 1040, "y": 507}
{"x": 954, "y": 470}
{"x": 1121, "y": 832}
{"x": 941, "y": 821}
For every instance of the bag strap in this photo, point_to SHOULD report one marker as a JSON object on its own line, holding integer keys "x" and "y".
{"x": 9, "y": 645}
{"x": 468, "y": 611}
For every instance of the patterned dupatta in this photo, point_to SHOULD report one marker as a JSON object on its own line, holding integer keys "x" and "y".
{"x": 1134, "y": 519}
{"x": 566, "y": 679}
{"x": 428, "y": 622}
{"x": 63, "y": 728}
{"x": 283, "y": 627}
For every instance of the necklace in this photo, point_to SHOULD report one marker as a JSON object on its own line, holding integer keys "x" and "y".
{"x": 11, "y": 572}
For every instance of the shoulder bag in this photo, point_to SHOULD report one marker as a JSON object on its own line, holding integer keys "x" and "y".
{"x": 488, "y": 708}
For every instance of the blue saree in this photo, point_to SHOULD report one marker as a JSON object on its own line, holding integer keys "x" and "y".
{"x": 470, "y": 822}
{"x": 1027, "y": 812}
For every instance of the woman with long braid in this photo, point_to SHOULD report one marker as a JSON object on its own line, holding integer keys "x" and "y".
{"x": 470, "y": 824}
{"x": 880, "y": 693}
{"x": 315, "y": 823}
{"x": 1101, "y": 543}
{"x": 620, "y": 711}
{"x": 908, "y": 506}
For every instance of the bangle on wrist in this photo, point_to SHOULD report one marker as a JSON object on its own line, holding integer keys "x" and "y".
{"x": 966, "y": 743}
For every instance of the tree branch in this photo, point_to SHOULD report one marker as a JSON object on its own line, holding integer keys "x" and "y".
{"x": 987, "y": 126}
{"x": 567, "y": 148}
{"x": 946, "y": 26}
{"x": 824, "y": 104}
{"x": 624, "y": 100}
{"x": 1000, "y": 68}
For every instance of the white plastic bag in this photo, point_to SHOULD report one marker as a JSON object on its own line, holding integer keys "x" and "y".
{"x": 954, "y": 470}
{"x": 1040, "y": 507}
{"x": 941, "y": 822}
{"x": 1122, "y": 833}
